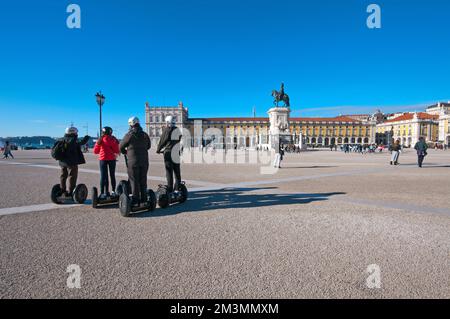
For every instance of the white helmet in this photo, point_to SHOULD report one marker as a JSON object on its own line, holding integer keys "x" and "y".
{"x": 132, "y": 121}
{"x": 72, "y": 130}
{"x": 170, "y": 120}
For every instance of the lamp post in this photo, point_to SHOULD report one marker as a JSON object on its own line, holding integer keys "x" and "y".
{"x": 100, "y": 101}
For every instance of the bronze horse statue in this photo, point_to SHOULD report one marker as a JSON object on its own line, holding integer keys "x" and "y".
{"x": 281, "y": 96}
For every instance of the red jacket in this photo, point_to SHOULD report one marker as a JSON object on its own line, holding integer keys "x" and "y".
{"x": 108, "y": 149}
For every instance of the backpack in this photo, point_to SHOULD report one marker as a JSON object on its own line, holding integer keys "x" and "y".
{"x": 59, "y": 150}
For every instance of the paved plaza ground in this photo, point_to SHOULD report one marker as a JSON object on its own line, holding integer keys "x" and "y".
{"x": 309, "y": 231}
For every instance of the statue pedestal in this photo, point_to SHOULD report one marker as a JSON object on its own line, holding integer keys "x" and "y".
{"x": 279, "y": 127}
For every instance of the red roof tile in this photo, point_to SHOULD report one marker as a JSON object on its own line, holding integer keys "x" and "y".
{"x": 410, "y": 116}
{"x": 236, "y": 119}
{"x": 294, "y": 119}
{"x": 325, "y": 119}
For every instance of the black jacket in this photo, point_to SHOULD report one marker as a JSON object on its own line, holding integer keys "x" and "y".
{"x": 169, "y": 139}
{"x": 73, "y": 154}
{"x": 396, "y": 147}
{"x": 135, "y": 144}
{"x": 421, "y": 148}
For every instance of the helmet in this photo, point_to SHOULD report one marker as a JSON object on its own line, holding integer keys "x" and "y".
{"x": 107, "y": 130}
{"x": 132, "y": 121}
{"x": 72, "y": 130}
{"x": 170, "y": 120}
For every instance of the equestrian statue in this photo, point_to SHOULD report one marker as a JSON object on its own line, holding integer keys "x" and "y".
{"x": 281, "y": 97}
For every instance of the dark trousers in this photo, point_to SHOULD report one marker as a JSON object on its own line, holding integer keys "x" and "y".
{"x": 104, "y": 181}
{"x": 6, "y": 154}
{"x": 420, "y": 159}
{"x": 171, "y": 169}
{"x": 138, "y": 180}
{"x": 70, "y": 172}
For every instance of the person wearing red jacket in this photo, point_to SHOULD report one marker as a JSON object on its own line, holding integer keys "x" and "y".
{"x": 107, "y": 147}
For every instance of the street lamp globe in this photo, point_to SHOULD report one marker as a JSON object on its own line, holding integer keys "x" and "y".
{"x": 100, "y": 98}
{"x": 100, "y": 101}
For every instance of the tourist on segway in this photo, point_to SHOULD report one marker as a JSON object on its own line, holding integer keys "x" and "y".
{"x": 171, "y": 136}
{"x": 67, "y": 151}
{"x": 135, "y": 146}
{"x": 107, "y": 147}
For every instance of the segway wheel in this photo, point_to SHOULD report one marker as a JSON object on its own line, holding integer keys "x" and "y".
{"x": 94, "y": 197}
{"x": 80, "y": 194}
{"x": 152, "y": 199}
{"x": 123, "y": 187}
{"x": 56, "y": 192}
{"x": 124, "y": 205}
{"x": 184, "y": 193}
{"x": 163, "y": 197}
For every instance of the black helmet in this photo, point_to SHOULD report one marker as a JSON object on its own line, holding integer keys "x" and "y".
{"x": 107, "y": 130}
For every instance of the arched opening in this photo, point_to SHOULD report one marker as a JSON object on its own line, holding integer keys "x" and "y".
{"x": 313, "y": 140}
{"x": 359, "y": 140}
{"x": 320, "y": 140}
{"x": 353, "y": 140}
{"x": 366, "y": 140}
{"x": 346, "y": 140}
{"x": 340, "y": 140}
{"x": 327, "y": 141}
{"x": 333, "y": 141}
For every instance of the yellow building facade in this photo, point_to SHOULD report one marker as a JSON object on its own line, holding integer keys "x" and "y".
{"x": 444, "y": 128}
{"x": 408, "y": 128}
{"x": 253, "y": 132}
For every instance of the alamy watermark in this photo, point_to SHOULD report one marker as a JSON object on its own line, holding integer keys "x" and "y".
{"x": 373, "y": 281}
{"x": 74, "y": 278}
{"x": 374, "y": 19}
{"x": 73, "y": 21}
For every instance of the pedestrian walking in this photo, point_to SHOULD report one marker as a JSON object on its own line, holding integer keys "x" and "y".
{"x": 7, "y": 151}
{"x": 279, "y": 156}
{"x": 395, "y": 150}
{"x": 421, "y": 147}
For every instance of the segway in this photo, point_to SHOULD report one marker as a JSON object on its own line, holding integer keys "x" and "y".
{"x": 109, "y": 200}
{"x": 125, "y": 201}
{"x": 79, "y": 195}
{"x": 178, "y": 196}
{"x": 123, "y": 190}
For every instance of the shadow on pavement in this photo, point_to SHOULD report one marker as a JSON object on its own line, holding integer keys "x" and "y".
{"x": 235, "y": 198}
{"x": 287, "y": 167}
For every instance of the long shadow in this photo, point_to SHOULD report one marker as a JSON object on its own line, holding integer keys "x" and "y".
{"x": 436, "y": 166}
{"x": 324, "y": 166}
{"x": 235, "y": 198}
{"x": 429, "y": 165}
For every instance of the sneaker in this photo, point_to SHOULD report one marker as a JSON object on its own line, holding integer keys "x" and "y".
{"x": 103, "y": 196}
{"x": 113, "y": 195}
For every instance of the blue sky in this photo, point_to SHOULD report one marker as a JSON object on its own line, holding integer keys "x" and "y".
{"x": 220, "y": 58}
